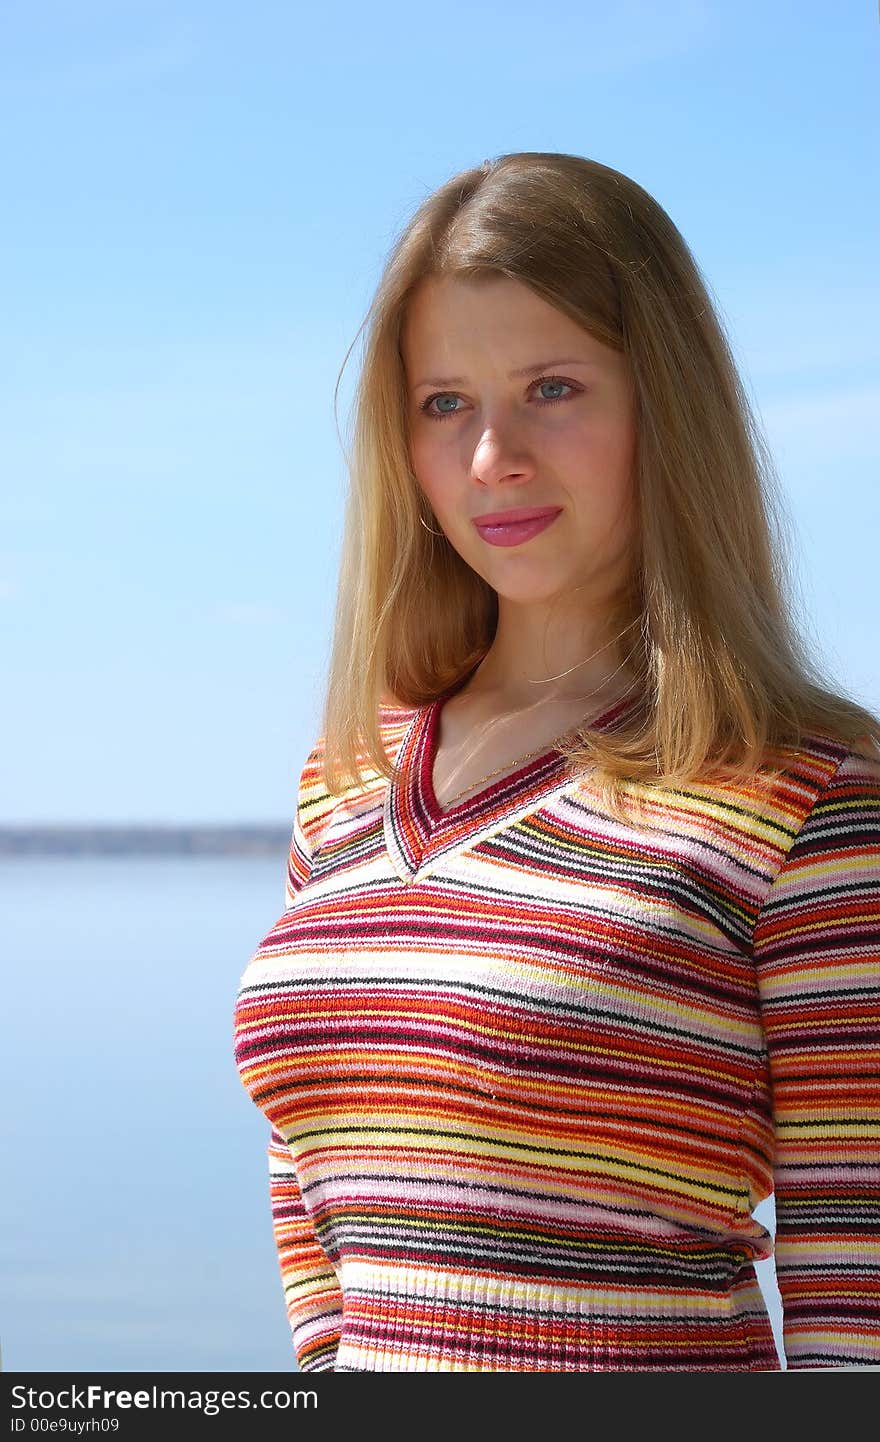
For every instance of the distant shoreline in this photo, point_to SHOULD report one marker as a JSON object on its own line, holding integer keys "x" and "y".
{"x": 144, "y": 840}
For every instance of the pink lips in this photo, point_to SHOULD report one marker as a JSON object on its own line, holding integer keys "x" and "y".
{"x": 510, "y": 528}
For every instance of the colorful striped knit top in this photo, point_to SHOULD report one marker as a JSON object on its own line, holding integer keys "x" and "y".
{"x": 529, "y": 1070}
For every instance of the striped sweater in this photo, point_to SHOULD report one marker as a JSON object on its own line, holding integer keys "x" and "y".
{"x": 528, "y": 1071}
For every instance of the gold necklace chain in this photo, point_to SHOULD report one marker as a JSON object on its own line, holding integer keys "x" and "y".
{"x": 521, "y": 760}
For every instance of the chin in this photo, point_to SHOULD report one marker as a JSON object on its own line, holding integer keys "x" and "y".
{"x": 520, "y": 579}
{"x": 527, "y": 593}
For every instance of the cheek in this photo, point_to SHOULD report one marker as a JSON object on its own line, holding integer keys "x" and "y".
{"x": 602, "y": 490}
{"x": 432, "y": 471}
{"x": 600, "y": 462}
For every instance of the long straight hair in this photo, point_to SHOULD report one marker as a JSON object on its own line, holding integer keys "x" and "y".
{"x": 723, "y": 678}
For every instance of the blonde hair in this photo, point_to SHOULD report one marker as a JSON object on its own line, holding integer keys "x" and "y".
{"x": 723, "y": 676}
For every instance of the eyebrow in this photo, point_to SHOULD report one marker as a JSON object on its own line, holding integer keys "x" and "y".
{"x": 531, "y": 370}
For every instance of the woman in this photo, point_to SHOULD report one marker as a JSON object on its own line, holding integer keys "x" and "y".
{"x": 579, "y": 959}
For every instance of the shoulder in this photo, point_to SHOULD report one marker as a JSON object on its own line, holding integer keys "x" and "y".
{"x": 394, "y": 722}
{"x": 844, "y": 814}
{"x": 822, "y": 898}
{"x": 813, "y": 788}
{"x": 824, "y": 771}
{"x": 820, "y": 796}
{"x": 314, "y": 801}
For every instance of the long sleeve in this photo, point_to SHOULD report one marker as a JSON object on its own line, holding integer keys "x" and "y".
{"x": 311, "y": 1288}
{"x": 817, "y": 954}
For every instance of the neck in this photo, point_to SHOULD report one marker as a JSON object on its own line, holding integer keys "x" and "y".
{"x": 539, "y": 654}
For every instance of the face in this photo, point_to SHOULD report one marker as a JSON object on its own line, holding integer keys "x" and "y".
{"x": 488, "y": 442}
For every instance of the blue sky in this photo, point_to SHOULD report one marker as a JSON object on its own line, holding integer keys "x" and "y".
{"x": 198, "y": 202}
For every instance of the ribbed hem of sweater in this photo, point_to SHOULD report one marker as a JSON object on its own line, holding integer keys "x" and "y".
{"x": 405, "y": 1319}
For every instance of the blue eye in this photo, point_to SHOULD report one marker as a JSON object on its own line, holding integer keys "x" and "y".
{"x": 552, "y": 383}
{"x": 449, "y": 395}
{"x": 440, "y": 398}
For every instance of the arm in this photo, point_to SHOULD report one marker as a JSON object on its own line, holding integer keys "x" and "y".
{"x": 817, "y": 957}
{"x": 311, "y": 1289}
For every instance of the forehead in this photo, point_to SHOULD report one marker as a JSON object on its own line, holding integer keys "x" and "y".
{"x": 446, "y": 315}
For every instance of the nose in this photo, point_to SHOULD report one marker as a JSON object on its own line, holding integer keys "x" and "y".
{"x": 499, "y": 456}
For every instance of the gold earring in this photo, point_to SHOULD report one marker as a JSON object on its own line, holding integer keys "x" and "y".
{"x": 431, "y": 528}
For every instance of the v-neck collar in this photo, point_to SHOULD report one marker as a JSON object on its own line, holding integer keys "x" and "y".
{"x": 418, "y": 832}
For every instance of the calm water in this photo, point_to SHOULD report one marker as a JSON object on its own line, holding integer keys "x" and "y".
{"x": 136, "y": 1233}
